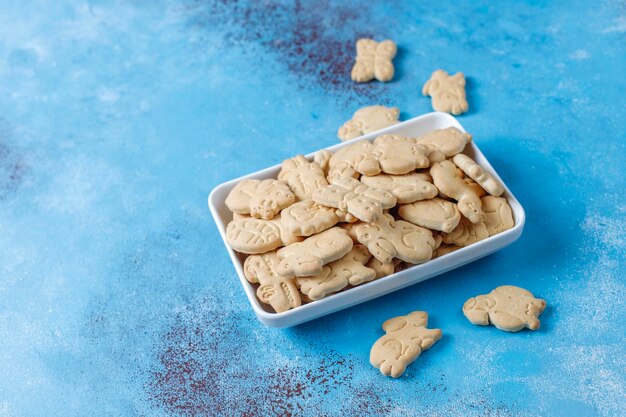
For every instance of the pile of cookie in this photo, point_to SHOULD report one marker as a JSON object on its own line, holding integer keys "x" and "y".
{"x": 362, "y": 213}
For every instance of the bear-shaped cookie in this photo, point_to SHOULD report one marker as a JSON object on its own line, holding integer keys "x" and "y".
{"x": 447, "y": 92}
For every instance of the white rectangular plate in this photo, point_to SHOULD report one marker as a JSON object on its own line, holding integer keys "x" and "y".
{"x": 414, "y": 127}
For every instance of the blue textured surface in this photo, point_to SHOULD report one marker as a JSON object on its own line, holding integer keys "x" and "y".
{"x": 117, "y": 119}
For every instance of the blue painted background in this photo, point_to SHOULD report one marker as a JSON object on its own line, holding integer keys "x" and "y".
{"x": 118, "y": 117}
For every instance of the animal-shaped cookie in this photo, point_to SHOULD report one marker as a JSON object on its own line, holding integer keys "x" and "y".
{"x": 260, "y": 199}
{"x": 351, "y": 195}
{"x": 475, "y": 172}
{"x": 450, "y": 141}
{"x": 508, "y": 307}
{"x": 352, "y": 160}
{"x": 368, "y": 119}
{"x": 253, "y": 236}
{"x": 382, "y": 269}
{"x": 338, "y": 274}
{"x": 307, "y": 258}
{"x": 436, "y": 214}
{"x": 302, "y": 176}
{"x": 405, "y": 339}
{"x": 406, "y": 188}
{"x": 373, "y": 60}
{"x": 466, "y": 233}
{"x": 387, "y": 239}
{"x": 322, "y": 158}
{"x": 497, "y": 214}
{"x": 279, "y": 292}
{"x": 447, "y": 92}
{"x": 444, "y": 250}
{"x": 400, "y": 155}
{"x": 451, "y": 184}
{"x": 307, "y": 217}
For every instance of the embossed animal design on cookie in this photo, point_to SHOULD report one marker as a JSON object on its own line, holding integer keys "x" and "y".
{"x": 407, "y": 188}
{"x": 435, "y": 213}
{"x": 449, "y": 141}
{"x": 352, "y": 160}
{"x": 447, "y": 92}
{"x": 405, "y": 339}
{"x": 373, "y": 60}
{"x": 452, "y": 184}
{"x": 307, "y": 258}
{"x": 475, "y": 172}
{"x": 302, "y": 176}
{"x": 260, "y": 199}
{"x": 307, "y": 217}
{"x": 507, "y": 307}
{"x": 253, "y": 236}
{"x": 279, "y": 292}
{"x": 399, "y": 155}
{"x": 338, "y": 274}
{"x": 368, "y": 119}
{"x": 348, "y": 194}
{"x": 387, "y": 239}
{"x": 498, "y": 216}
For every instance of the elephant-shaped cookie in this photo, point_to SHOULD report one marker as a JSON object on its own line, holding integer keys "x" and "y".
{"x": 405, "y": 339}
{"x": 507, "y": 307}
{"x": 279, "y": 292}
{"x": 387, "y": 239}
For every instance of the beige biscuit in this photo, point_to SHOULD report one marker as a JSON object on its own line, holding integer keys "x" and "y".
{"x": 352, "y": 160}
{"x": 507, "y": 307}
{"x": 438, "y": 240}
{"x": 436, "y": 213}
{"x": 356, "y": 198}
{"x": 466, "y": 233}
{"x": 279, "y": 292}
{"x": 373, "y": 60}
{"x": 449, "y": 141}
{"x": 307, "y": 258}
{"x": 405, "y": 339}
{"x": 399, "y": 155}
{"x": 450, "y": 183}
{"x": 349, "y": 270}
{"x": 407, "y": 188}
{"x": 387, "y": 239}
{"x": 345, "y": 217}
{"x": 475, "y": 172}
{"x": 254, "y": 236}
{"x": 307, "y": 217}
{"x": 322, "y": 158}
{"x": 368, "y": 119}
{"x": 381, "y": 269}
{"x": 261, "y": 199}
{"x": 444, "y": 250}
{"x": 302, "y": 176}
{"x": 350, "y": 228}
{"x": 447, "y": 92}
{"x": 498, "y": 215}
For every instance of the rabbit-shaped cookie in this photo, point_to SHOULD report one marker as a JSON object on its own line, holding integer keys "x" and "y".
{"x": 407, "y": 337}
